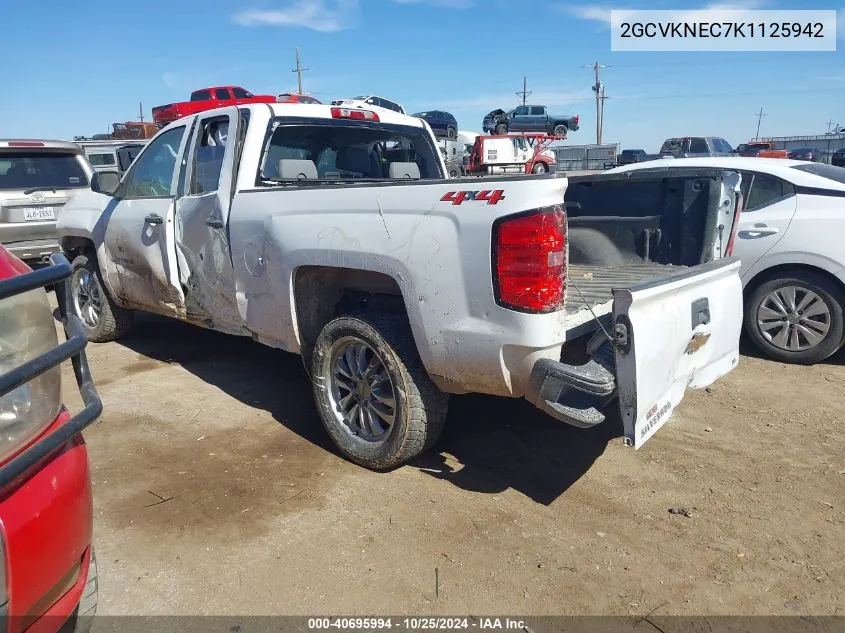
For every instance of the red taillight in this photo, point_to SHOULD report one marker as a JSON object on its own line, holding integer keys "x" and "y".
{"x": 729, "y": 250}
{"x": 25, "y": 144}
{"x": 354, "y": 113}
{"x": 577, "y": 119}
{"x": 529, "y": 259}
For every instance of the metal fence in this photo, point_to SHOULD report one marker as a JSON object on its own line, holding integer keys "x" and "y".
{"x": 575, "y": 157}
{"x": 825, "y": 144}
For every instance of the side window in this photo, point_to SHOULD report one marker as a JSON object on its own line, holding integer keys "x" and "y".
{"x": 698, "y": 146}
{"x": 537, "y": 111}
{"x": 239, "y": 93}
{"x": 766, "y": 190}
{"x": 521, "y": 111}
{"x": 222, "y": 93}
{"x": 208, "y": 156}
{"x": 151, "y": 175}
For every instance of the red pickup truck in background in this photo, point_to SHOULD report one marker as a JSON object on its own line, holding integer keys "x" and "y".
{"x": 207, "y": 99}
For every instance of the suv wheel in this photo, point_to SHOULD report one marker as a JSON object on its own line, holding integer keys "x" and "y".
{"x": 502, "y": 129}
{"x": 451, "y": 133}
{"x": 797, "y": 318}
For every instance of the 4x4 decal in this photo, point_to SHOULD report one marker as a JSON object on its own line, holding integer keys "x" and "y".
{"x": 459, "y": 197}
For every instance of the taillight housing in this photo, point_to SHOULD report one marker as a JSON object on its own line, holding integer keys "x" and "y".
{"x": 729, "y": 250}
{"x": 354, "y": 113}
{"x": 577, "y": 119}
{"x": 529, "y": 260}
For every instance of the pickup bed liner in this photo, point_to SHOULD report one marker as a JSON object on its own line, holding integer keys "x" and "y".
{"x": 592, "y": 286}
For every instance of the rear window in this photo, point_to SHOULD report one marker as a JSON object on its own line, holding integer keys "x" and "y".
{"x": 837, "y": 174}
{"x": 201, "y": 95}
{"x": 672, "y": 146}
{"x": 240, "y": 93}
{"x": 99, "y": 160}
{"x": 347, "y": 151}
{"x": 25, "y": 170}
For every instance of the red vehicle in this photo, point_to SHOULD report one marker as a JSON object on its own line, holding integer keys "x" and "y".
{"x": 292, "y": 97}
{"x": 512, "y": 154}
{"x": 207, "y": 99}
{"x": 48, "y": 577}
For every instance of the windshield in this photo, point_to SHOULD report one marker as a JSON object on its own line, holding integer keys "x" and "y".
{"x": 836, "y": 174}
{"x": 98, "y": 160}
{"x": 25, "y": 170}
{"x": 348, "y": 151}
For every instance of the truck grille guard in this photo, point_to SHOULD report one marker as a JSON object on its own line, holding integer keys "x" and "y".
{"x": 73, "y": 348}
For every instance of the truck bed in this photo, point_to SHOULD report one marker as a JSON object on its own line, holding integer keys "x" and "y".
{"x": 591, "y": 287}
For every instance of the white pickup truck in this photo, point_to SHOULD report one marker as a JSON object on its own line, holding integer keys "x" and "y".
{"x": 303, "y": 227}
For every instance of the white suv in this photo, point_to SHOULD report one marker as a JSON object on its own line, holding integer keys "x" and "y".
{"x": 370, "y": 102}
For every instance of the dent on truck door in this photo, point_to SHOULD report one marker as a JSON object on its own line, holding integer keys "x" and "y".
{"x": 139, "y": 228}
{"x": 674, "y": 334}
{"x": 202, "y": 215}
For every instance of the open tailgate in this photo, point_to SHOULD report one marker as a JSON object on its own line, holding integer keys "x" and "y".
{"x": 672, "y": 334}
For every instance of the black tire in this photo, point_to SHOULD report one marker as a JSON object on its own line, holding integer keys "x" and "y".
{"x": 826, "y": 290}
{"x": 113, "y": 321}
{"x": 451, "y": 133}
{"x": 420, "y": 408}
{"x": 454, "y": 172}
{"x": 539, "y": 168}
{"x": 83, "y": 616}
{"x": 501, "y": 129}
{"x": 560, "y": 130}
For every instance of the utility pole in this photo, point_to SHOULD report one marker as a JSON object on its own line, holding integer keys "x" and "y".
{"x": 829, "y": 125}
{"x": 759, "y": 116}
{"x": 603, "y": 98}
{"x": 299, "y": 70}
{"x": 598, "y": 88}
{"x": 141, "y": 111}
{"x": 524, "y": 94}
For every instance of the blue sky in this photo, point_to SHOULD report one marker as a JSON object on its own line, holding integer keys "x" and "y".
{"x": 79, "y": 66}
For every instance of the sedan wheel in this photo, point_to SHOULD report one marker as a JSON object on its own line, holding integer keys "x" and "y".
{"x": 796, "y": 319}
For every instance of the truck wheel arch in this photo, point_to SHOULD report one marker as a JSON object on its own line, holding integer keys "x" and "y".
{"x": 321, "y": 293}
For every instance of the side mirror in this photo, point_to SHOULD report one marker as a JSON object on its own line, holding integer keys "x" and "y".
{"x": 105, "y": 182}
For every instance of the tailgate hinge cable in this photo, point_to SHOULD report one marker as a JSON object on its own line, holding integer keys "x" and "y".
{"x": 610, "y": 339}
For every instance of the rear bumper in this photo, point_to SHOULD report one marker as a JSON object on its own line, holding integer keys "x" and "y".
{"x": 34, "y": 250}
{"x": 45, "y": 490}
{"x": 574, "y": 394}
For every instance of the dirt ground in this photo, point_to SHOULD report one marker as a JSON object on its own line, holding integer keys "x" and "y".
{"x": 217, "y": 492}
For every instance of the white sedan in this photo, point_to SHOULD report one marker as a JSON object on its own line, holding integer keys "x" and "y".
{"x": 791, "y": 240}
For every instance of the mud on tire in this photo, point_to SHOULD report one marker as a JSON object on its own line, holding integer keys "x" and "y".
{"x": 113, "y": 321}
{"x": 420, "y": 408}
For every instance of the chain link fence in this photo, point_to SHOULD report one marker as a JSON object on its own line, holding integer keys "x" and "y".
{"x": 825, "y": 144}
{"x": 586, "y": 157}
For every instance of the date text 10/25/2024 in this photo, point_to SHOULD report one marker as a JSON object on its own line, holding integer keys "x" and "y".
{"x": 416, "y": 623}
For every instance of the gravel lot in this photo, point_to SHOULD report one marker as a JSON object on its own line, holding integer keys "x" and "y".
{"x": 217, "y": 492}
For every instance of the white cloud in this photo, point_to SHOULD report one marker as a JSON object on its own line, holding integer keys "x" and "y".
{"x": 601, "y": 13}
{"x": 170, "y": 79}
{"x": 325, "y": 16}
{"x": 450, "y": 4}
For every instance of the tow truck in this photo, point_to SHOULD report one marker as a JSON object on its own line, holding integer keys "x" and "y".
{"x": 513, "y": 154}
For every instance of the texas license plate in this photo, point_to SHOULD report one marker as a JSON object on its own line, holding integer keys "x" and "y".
{"x": 33, "y": 214}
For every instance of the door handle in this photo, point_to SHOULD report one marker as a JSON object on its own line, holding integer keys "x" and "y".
{"x": 154, "y": 218}
{"x": 215, "y": 224}
{"x": 759, "y": 231}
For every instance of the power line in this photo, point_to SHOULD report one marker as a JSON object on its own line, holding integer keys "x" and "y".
{"x": 299, "y": 70}
{"x": 525, "y": 91}
{"x": 759, "y": 116}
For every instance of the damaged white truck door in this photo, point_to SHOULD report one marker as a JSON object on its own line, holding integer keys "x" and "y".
{"x": 139, "y": 228}
{"x": 678, "y": 333}
{"x": 202, "y": 217}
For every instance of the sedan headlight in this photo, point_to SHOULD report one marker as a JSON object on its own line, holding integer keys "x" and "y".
{"x": 27, "y": 330}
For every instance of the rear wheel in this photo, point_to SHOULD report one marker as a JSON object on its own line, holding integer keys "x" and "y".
{"x": 539, "y": 168}
{"x": 560, "y": 130}
{"x": 451, "y": 133}
{"x": 501, "y": 129}
{"x": 374, "y": 396}
{"x": 102, "y": 319}
{"x": 797, "y": 318}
